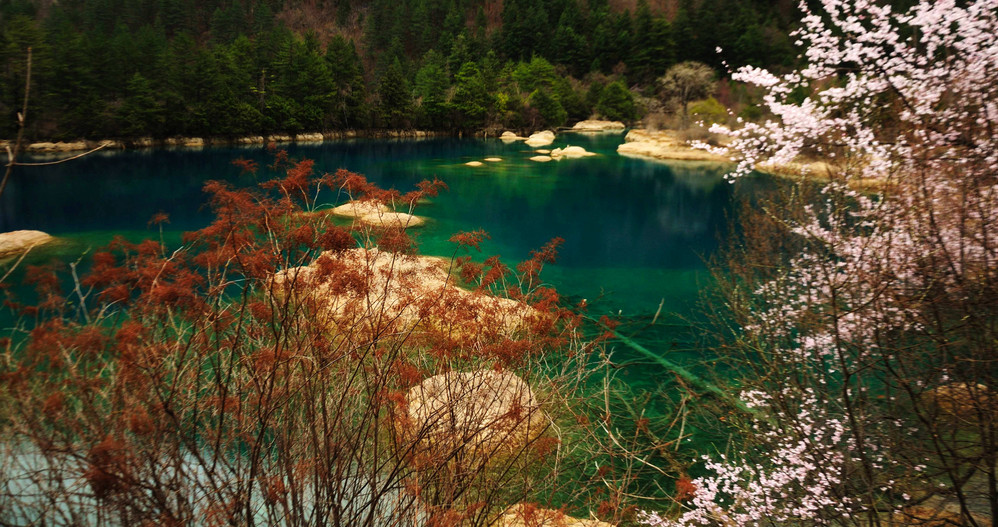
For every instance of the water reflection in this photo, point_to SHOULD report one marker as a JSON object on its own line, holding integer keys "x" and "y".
{"x": 630, "y": 226}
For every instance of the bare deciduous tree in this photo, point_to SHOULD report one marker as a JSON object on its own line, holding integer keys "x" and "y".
{"x": 686, "y": 82}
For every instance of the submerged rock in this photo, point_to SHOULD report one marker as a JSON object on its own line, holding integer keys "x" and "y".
{"x": 16, "y": 242}
{"x": 493, "y": 159}
{"x": 474, "y": 163}
{"x": 541, "y": 159}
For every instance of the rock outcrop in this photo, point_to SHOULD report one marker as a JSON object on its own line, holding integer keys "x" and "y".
{"x": 543, "y": 138}
{"x": 593, "y": 125}
{"x": 16, "y": 242}
{"x": 315, "y": 137}
{"x": 664, "y": 144}
{"x": 509, "y": 137}
{"x": 45, "y": 147}
{"x": 194, "y": 142}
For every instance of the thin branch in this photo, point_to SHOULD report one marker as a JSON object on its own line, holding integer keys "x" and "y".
{"x": 21, "y": 117}
{"x": 47, "y": 163}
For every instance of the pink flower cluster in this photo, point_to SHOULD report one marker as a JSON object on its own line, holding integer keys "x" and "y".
{"x": 801, "y": 485}
{"x": 905, "y": 102}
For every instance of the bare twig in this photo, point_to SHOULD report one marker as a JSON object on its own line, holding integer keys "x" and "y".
{"x": 20, "y": 127}
{"x": 48, "y": 163}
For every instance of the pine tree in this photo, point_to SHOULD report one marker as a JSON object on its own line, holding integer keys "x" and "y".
{"x": 395, "y": 102}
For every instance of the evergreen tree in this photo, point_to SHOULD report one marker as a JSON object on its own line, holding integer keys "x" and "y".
{"x": 535, "y": 74}
{"x": 551, "y": 112}
{"x": 431, "y": 88}
{"x": 19, "y": 34}
{"x": 304, "y": 83}
{"x": 395, "y": 103}
{"x": 141, "y": 111}
{"x": 525, "y": 29}
{"x": 73, "y": 105}
{"x": 228, "y": 23}
{"x": 348, "y": 106}
{"x": 616, "y": 103}
{"x": 652, "y": 49}
{"x": 569, "y": 45}
{"x": 575, "y": 107}
{"x": 471, "y": 101}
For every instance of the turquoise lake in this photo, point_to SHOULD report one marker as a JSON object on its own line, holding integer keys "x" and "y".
{"x": 636, "y": 231}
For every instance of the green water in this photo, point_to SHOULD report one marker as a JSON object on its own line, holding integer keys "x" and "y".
{"x": 636, "y": 232}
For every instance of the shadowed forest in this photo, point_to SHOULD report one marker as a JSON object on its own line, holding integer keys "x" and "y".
{"x": 160, "y": 68}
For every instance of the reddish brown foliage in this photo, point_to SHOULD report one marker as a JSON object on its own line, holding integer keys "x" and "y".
{"x": 159, "y": 218}
{"x": 202, "y": 356}
{"x": 54, "y": 404}
{"x": 247, "y": 166}
{"x": 108, "y": 468}
{"x": 685, "y": 488}
{"x": 470, "y": 240}
{"x": 396, "y": 240}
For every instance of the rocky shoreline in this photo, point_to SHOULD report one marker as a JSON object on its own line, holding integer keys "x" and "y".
{"x": 45, "y": 147}
{"x": 666, "y": 145}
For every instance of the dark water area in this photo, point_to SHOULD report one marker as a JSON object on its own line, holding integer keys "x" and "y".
{"x": 636, "y": 231}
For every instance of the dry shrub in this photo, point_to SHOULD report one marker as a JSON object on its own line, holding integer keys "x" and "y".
{"x": 264, "y": 372}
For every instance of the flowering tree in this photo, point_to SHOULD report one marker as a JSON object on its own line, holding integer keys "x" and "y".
{"x": 867, "y": 319}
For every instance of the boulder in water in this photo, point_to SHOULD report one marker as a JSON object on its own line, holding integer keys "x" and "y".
{"x": 16, "y": 242}
{"x": 545, "y": 137}
{"x": 570, "y": 152}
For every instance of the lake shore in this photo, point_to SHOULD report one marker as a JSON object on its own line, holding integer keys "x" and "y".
{"x": 664, "y": 145}
{"x": 82, "y": 145}
{"x": 668, "y": 145}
